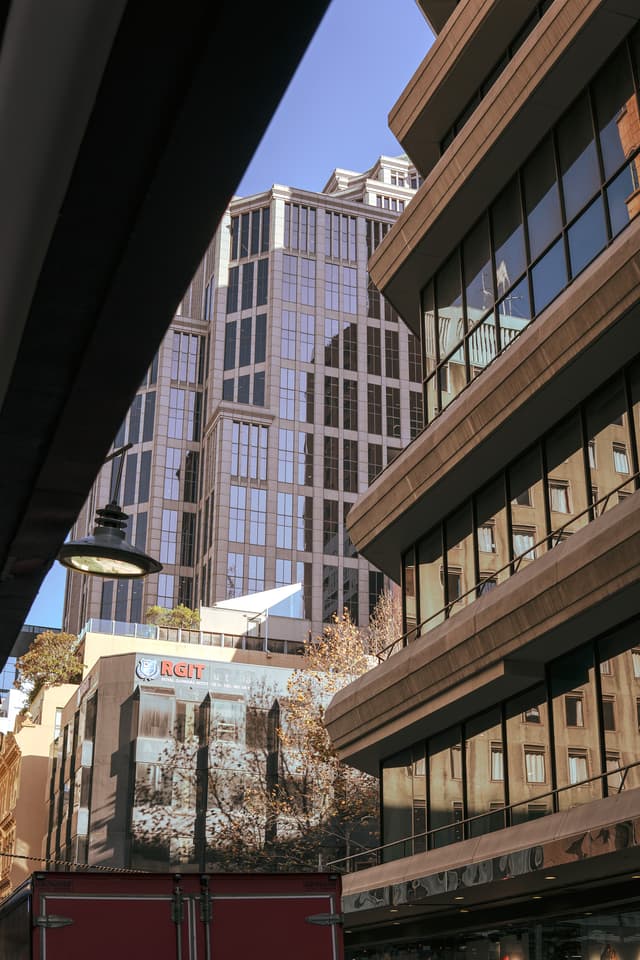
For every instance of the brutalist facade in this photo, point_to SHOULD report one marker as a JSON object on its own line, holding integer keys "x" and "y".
{"x": 505, "y": 723}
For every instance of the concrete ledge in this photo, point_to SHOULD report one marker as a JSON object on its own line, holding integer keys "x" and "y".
{"x": 467, "y": 47}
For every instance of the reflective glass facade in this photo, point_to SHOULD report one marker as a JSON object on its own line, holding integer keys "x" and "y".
{"x": 584, "y": 466}
{"x": 573, "y": 196}
{"x": 534, "y": 754}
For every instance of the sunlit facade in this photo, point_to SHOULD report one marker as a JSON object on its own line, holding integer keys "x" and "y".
{"x": 504, "y": 723}
{"x": 284, "y": 386}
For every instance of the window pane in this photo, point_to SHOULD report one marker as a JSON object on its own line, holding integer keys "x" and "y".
{"x": 449, "y": 304}
{"x": 606, "y": 421}
{"x": 514, "y": 313}
{"x": 565, "y": 467}
{"x": 544, "y": 220}
{"x": 476, "y": 259}
{"x": 460, "y": 573}
{"x": 493, "y": 543}
{"x": 576, "y": 745}
{"x": 528, "y": 754}
{"x": 445, "y": 769}
{"x": 549, "y": 277}
{"x": 623, "y": 197}
{"x": 587, "y": 237}
{"x": 430, "y": 580}
{"x": 397, "y": 805}
{"x": 508, "y": 234}
{"x": 527, "y": 503}
{"x": 484, "y": 759}
{"x": 619, "y": 697}
{"x": 616, "y": 111}
{"x": 578, "y": 157}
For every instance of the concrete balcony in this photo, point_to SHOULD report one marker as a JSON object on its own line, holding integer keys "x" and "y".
{"x": 526, "y": 100}
{"x": 496, "y": 646}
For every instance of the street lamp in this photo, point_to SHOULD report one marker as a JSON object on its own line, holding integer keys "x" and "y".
{"x": 106, "y": 553}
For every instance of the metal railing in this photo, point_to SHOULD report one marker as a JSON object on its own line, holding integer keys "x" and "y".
{"x": 551, "y": 540}
{"x": 464, "y": 827}
{"x": 202, "y": 638}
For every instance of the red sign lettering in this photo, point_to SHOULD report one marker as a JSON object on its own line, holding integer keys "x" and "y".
{"x": 182, "y": 670}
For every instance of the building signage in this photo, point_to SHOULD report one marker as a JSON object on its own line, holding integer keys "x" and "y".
{"x": 155, "y": 668}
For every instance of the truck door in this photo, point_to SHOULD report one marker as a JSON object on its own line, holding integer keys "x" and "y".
{"x": 262, "y": 927}
{"x": 77, "y": 926}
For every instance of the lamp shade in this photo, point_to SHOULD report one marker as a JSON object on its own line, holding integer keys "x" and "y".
{"x": 106, "y": 553}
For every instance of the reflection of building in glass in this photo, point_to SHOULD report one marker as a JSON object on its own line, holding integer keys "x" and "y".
{"x": 505, "y": 723}
{"x": 276, "y": 393}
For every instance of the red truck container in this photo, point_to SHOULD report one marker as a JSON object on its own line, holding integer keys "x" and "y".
{"x": 115, "y": 916}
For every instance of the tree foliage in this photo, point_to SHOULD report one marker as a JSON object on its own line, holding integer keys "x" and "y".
{"x": 180, "y": 616}
{"x": 51, "y": 659}
{"x": 269, "y": 793}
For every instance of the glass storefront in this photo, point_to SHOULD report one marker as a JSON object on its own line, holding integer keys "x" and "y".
{"x": 610, "y": 935}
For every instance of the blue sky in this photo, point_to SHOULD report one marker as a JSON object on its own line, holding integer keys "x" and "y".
{"x": 334, "y": 114}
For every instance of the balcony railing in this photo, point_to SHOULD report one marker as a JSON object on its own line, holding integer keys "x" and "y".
{"x": 202, "y": 638}
{"x": 595, "y": 509}
{"x": 464, "y": 829}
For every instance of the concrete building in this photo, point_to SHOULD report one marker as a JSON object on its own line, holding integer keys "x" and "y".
{"x": 283, "y": 388}
{"x": 504, "y": 723}
{"x": 171, "y": 738}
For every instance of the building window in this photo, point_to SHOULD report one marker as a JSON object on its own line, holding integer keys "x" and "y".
{"x": 615, "y": 781}
{"x": 255, "y": 579}
{"x": 374, "y": 355}
{"x": 349, "y": 290}
{"x": 350, "y": 593}
{"x": 559, "y": 496}
{"x": 393, "y": 412}
{"x": 305, "y": 459}
{"x": 285, "y": 456}
{"x": 373, "y": 300}
{"x": 608, "y": 713}
{"x": 331, "y": 463}
{"x": 329, "y": 591}
{"x": 391, "y": 354}
{"x": 486, "y": 538}
{"x": 288, "y": 340}
{"x": 497, "y": 762}
{"x": 532, "y": 715}
{"x": 235, "y": 574}
{"x": 591, "y": 448}
{"x": 416, "y": 416}
{"x": 455, "y": 761}
{"x": 524, "y": 539}
{"x": 257, "y": 517}
{"x": 330, "y": 527}
{"x": 350, "y": 404}
{"x": 331, "y": 287}
{"x": 415, "y": 360}
{"x": 620, "y": 459}
{"x": 168, "y": 536}
{"x": 574, "y": 710}
{"x": 172, "y": 474}
{"x": 331, "y": 342}
{"x": 578, "y": 768}
{"x": 307, "y": 282}
{"x": 635, "y": 658}
{"x": 284, "y": 521}
{"x": 287, "y": 393}
{"x": 300, "y": 227}
{"x": 307, "y": 337}
{"x": 606, "y": 669}
{"x": 340, "y": 236}
{"x": 350, "y": 466}
{"x": 350, "y": 347}
{"x": 290, "y": 278}
{"x": 237, "y": 513}
{"x": 331, "y": 401}
{"x": 374, "y": 461}
{"x": 534, "y": 764}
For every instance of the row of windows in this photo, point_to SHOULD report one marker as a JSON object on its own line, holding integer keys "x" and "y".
{"x": 245, "y": 341}
{"x": 244, "y": 292}
{"x": 249, "y": 450}
{"x": 389, "y": 203}
{"x": 300, "y": 227}
{"x": 139, "y": 422}
{"x": 181, "y": 469}
{"x": 185, "y": 414}
{"x": 575, "y": 194}
{"x": 584, "y": 720}
{"x": 493, "y": 74}
{"x": 554, "y": 486}
{"x": 250, "y": 233}
{"x": 241, "y": 390}
{"x": 187, "y": 358}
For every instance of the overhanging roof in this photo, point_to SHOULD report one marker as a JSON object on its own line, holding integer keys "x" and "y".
{"x": 126, "y": 127}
